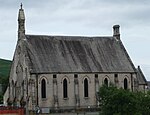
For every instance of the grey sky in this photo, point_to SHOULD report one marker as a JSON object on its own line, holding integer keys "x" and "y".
{"x": 81, "y": 17}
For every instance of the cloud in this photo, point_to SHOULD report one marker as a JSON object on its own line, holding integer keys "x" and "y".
{"x": 80, "y": 17}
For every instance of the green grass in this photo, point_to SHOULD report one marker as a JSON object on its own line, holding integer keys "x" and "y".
{"x": 5, "y": 67}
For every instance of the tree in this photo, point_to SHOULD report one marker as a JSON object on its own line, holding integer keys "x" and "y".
{"x": 116, "y": 101}
{"x": 143, "y": 103}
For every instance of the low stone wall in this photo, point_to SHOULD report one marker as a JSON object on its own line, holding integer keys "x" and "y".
{"x": 11, "y": 111}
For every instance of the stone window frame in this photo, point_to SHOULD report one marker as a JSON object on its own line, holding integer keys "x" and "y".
{"x": 126, "y": 83}
{"x": 108, "y": 80}
{"x": 43, "y": 93}
{"x": 86, "y": 87}
{"x": 65, "y": 88}
{"x": 68, "y": 82}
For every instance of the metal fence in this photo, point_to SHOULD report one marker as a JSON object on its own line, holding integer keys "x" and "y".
{"x": 67, "y": 110}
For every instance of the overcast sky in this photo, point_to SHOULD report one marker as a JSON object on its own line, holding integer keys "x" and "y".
{"x": 81, "y": 17}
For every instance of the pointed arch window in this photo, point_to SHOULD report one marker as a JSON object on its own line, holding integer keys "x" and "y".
{"x": 125, "y": 83}
{"x": 43, "y": 88}
{"x": 65, "y": 88}
{"x": 86, "y": 93}
{"x": 106, "y": 81}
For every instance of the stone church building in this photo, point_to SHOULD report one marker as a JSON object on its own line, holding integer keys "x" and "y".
{"x": 65, "y": 72}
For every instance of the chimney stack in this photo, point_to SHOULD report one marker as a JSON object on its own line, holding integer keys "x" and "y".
{"x": 116, "y": 32}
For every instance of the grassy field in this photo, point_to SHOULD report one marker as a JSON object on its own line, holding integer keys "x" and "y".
{"x": 4, "y": 75}
{"x": 4, "y": 67}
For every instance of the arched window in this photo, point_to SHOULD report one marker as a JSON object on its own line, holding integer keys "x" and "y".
{"x": 43, "y": 88}
{"x": 106, "y": 81}
{"x": 65, "y": 88}
{"x": 125, "y": 83}
{"x": 86, "y": 87}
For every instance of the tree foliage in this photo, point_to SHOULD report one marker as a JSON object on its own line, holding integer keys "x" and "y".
{"x": 114, "y": 101}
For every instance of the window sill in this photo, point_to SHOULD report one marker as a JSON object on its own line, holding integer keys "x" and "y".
{"x": 86, "y": 97}
{"x": 44, "y": 99}
{"x": 66, "y": 98}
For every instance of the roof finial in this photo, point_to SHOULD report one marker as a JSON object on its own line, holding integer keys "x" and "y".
{"x": 21, "y": 5}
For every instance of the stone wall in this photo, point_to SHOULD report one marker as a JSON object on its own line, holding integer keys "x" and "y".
{"x": 54, "y": 89}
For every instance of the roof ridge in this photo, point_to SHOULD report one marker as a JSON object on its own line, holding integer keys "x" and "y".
{"x": 84, "y": 36}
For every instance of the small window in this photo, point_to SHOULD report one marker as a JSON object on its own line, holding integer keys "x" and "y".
{"x": 125, "y": 83}
{"x": 96, "y": 75}
{"x": 65, "y": 88}
{"x": 43, "y": 88}
{"x": 75, "y": 76}
{"x": 54, "y": 76}
{"x": 106, "y": 81}
{"x": 116, "y": 78}
{"x": 86, "y": 87}
{"x": 116, "y": 75}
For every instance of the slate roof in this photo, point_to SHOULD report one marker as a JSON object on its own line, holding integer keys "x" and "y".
{"x": 48, "y": 54}
{"x": 140, "y": 76}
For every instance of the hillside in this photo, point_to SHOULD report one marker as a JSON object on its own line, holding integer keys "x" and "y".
{"x": 4, "y": 67}
{"x": 4, "y": 74}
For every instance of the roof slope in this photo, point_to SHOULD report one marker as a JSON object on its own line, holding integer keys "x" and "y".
{"x": 77, "y": 54}
{"x": 141, "y": 78}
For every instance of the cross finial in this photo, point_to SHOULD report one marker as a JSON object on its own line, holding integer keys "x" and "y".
{"x": 21, "y": 5}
